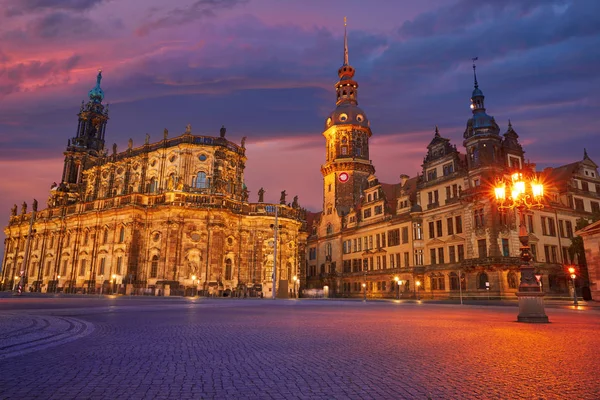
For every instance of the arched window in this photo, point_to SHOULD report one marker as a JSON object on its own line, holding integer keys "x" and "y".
{"x": 122, "y": 235}
{"x": 329, "y": 229}
{"x": 482, "y": 279}
{"x": 154, "y": 267}
{"x": 105, "y": 238}
{"x": 201, "y": 181}
{"x": 512, "y": 280}
{"x": 454, "y": 281}
{"x": 86, "y": 237}
{"x": 228, "y": 269}
{"x": 152, "y": 185}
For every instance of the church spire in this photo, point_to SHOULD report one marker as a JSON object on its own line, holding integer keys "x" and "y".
{"x": 477, "y": 105}
{"x": 345, "y": 43}
{"x": 347, "y": 87}
{"x": 475, "y": 72}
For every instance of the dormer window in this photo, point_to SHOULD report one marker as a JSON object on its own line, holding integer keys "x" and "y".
{"x": 369, "y": 197}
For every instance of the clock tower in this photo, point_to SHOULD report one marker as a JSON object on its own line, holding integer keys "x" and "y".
{"x": 347, "y": 133}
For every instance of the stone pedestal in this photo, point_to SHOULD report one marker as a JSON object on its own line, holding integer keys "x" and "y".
{"x": 167, "y": 290}
{"x": 531, "y": 308}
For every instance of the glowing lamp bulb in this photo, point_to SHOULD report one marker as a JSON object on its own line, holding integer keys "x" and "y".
{"x": 519, "y": 187}
{"x": 573, "y": 276}
{"x": 500, "y": 192}
{"x": 537, "y": 189}
{"x": 571, "y": 270}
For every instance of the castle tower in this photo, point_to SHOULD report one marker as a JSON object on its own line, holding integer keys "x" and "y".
{"x": 347, "y": 133}
{"x": 483, "y": 142}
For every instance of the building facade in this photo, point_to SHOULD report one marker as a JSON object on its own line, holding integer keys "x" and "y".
{"x": 168, "y": 217}
{"x": 439, "y": 234}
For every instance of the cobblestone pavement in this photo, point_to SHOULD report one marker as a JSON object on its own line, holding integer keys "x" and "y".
{"x": 265, "y": 349}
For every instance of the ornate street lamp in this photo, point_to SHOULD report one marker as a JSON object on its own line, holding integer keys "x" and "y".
{"x": 364, "y": 286}
{"x": 113, "y": 283}
{"x": 295, "y": 279}
{"x": 524, "y": 192}
{"x": 193, "y": 285}
{"x": 573, "y": 276}
{"x": 397, "y": 287}
{"x": 418, "y": 283}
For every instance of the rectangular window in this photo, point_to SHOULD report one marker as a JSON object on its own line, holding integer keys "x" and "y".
{"x": 551, "y": 227}
{"x": 354, "y": 248}
{"x": 119, "y": 265}
{"x": 377, "y": 241}
{"x": 565, "y": 255}
{"x": 378, "y": 210}
{"x": 398, "y": 260}
{"x": 547, "y": 253}
{"x": 569, "y": 227}
{"x": 458, "y": 220}
{"x": 561, "y": 228}
{"x": 441, "y": 255}
{"x": 436, "y": 197}
{"x": 431, "y": 230}
{"x": 312, "y": 253}
{"x": 102, "y": 265}
{"x": 595, "y": 207}
{"x": 359, "y": 243}
{"x": 383, "y": 240}
{"x": 448, "y": 193}
{"x": 450, "y": 226}
{"x": 419, "y": 257}
{"x": 530, "y": 223}
{"x": 366, "y": 264}
{"x": 64, "y": 268}
{"x": 371, "y": 242}
{"x": 383, "y": 262}
{"x": 479, "y": 218}
{"x": 438, "y": 226}
{"x": 452, "y": 253}
{"x": 432, "y": 256}
{"x": 378, "y": 262}
{"x": 82, "y": 268}
{"x": 367, "y": 213}
{"x": 461, "y": 252}
{"x": 366, "y": 241}
{"x": 533, "y": 248}
{"x": 394, "y": 237}
{"x": 405, "y": 234}
{"x": 482, "y": 248}
{"x": 553, "y": 254}
{"x": 544, "y": 226}
{"x": 579, "y": 205}
{"x": 392, "y": 259}
{"x": 417, "y": 231}
{"x": 455, "y": 190}
{"x": 505, "y": 249}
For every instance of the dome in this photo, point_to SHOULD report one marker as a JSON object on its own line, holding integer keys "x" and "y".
{"x": 477, "y": 92}
{"x": 346, "y": 114}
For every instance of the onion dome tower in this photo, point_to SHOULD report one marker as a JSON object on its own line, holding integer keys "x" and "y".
{"x": 347, "y": 133}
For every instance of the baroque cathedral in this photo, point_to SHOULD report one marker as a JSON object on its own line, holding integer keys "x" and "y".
{"x": 173, "y": 217}
{"x": 165, "y": 218}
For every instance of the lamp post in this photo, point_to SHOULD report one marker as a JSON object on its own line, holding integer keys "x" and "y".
{"x": 295, "y": 279}
{"x": 524, "y": 192}
{"x": 57, "y": 281}
{"x": 418, "y": 283}
{"x": 397, "y": 287}
{"x": 193, "y": 285}
{"x": 15, "y": 283}
{"x": 114, "y": 283}
{"x": 573, "y": 276}
{"x": 364, "y": 285}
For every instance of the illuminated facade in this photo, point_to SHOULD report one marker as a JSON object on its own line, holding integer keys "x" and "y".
{"x": 442, "y": 229}
{"x": 161, "y": 218}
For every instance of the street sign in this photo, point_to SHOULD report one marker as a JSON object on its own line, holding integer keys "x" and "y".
{"x": 538, "y": 277}
{"x": 343, "y": 177}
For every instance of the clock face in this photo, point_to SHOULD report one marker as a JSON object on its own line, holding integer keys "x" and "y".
{"x": 343, "y": 177}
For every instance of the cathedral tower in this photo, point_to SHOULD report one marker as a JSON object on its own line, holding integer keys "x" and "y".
{"x": 347, "y": 132}
{"x": 88, "y": 144}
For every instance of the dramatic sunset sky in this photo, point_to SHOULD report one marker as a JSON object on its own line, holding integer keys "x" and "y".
{"x": 266, "y": 69}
